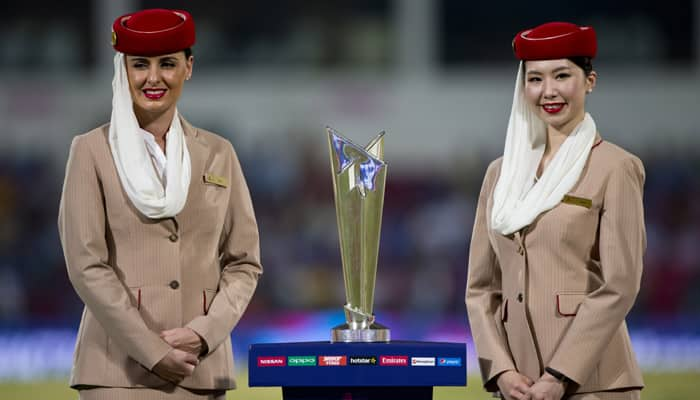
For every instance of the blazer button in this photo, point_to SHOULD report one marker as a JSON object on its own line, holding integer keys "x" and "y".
{"x": 173, "y": 237}
{"x": 174, "y": 284}
{"x": 520, "y": 297}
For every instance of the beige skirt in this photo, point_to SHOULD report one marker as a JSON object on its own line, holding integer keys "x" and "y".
{"x": 171, "y": 392}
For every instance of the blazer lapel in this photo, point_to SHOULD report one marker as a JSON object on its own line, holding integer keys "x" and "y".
{"x": 199, "y": 151}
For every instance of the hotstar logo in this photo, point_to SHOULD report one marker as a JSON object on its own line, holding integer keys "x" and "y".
{"x": 363, "y": 360}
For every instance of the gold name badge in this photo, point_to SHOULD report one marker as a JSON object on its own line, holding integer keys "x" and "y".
{"x": 216, "y": 180}
{"x": 577, "y": 201}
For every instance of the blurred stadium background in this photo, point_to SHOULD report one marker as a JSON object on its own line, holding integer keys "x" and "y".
{"x": 269, "y": 74}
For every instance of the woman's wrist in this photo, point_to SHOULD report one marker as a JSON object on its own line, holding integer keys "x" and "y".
{"x": 558, "y": 376}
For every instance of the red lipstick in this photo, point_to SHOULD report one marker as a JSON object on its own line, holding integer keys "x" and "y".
{"x": 154, "y": 94}
{"x": 553, "y": 108}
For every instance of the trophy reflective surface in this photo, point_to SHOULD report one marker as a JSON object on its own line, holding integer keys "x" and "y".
{"x": 359, "y": 177}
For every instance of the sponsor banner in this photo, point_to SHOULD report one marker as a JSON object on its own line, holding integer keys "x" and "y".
{"x": 301, "y": 361}
{"x": 332, "y": 361}
{"x": 363, "y": 360}
{"x": 393, "y": 361}
{"x": 450, "y": 361}
{"x": 280, "y": 361}
{"x": 423, "y": 361}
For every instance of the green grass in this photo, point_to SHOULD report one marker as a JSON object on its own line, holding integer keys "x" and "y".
{"x": 681, "y": 386}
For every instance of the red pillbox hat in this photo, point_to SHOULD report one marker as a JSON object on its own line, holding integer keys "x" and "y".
{"x": 153, "y": 32}
{"x": 555, "y": 40}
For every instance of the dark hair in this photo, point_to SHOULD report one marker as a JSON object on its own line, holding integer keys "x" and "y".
{"x": 584, "y": 63}
{"x": 188, "y": 53}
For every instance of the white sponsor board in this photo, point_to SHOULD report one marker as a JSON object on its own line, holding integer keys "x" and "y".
{"x": 422, "y": 361}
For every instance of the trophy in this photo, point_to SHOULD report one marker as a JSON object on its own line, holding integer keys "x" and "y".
{"x": 359, "y": 177}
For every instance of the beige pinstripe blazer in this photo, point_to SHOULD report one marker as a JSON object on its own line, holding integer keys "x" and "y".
{"x": 556, "y": 293}
{"x": 138, "y": 276}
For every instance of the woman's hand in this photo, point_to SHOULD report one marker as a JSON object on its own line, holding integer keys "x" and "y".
{"x": 184, "y": 339}
{"x": 176, "y": 365}
{"x": 546, "y": 388}
{"x": 513, "y": 385}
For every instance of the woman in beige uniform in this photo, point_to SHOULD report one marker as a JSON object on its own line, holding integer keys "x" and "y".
{"x": 556, "y": 255}
{"x": 158, "y": 230}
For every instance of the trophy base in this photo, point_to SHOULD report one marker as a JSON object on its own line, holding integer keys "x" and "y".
{"x": 375, "y": 333}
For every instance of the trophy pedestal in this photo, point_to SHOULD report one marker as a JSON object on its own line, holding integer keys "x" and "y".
{"x": 375, "y": 333}
{"x": 364, "y": 393}
{"x": 367, "y": 371}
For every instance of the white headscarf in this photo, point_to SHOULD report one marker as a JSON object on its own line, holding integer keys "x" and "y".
{"x": 136, "y": 172}
{"x": 517, "y": 198}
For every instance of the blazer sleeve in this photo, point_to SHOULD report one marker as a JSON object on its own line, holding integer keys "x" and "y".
{"x": 240, "y": 263}
{"x": 622, "y": 241}
{"x": 484, "y": 295}
{"x": 82, "y": 229}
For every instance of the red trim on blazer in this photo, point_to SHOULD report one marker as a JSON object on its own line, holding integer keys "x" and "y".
{"x": 563, "y": 314}
{"x": 596, "y": 144}
{"x": 204, "y": 301}
{"x": 138, "y": 301}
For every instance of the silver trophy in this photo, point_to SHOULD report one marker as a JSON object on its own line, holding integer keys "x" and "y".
{"x": 359, "y": 177}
